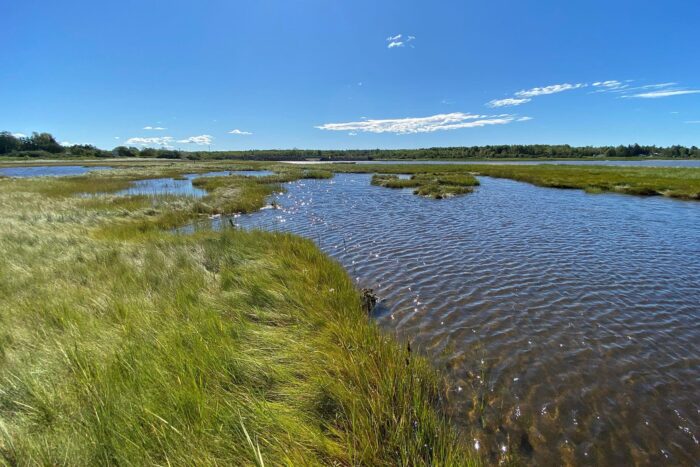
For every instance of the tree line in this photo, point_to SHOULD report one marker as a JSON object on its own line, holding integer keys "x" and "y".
{"x": 44, "y": 145}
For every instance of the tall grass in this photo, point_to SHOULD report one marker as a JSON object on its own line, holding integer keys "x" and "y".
{"x": 233, "y": 348}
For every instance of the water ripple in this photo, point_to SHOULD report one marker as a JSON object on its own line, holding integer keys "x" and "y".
{"x": 564, "y": 319}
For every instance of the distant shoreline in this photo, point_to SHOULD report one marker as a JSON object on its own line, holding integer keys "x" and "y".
{"x": 90, "y": 161}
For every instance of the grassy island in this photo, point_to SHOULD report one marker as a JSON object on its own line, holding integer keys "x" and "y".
{"x": 436, "y": 186}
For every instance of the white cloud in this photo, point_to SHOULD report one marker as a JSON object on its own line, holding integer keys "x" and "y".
{"x": 201, "y": 140}
{"x": 657, "y": 86}
{"x": 664, "y": 93}
{"x": 19, "y": 135}
{"x": 625, "y": 88}
{"x": 693, "y": 121}
{"x": 239, "y": 132}
{"x": 524, "y": 119}
{"x": 451, "y": 121}
{"x": 116, "y": 137}
{"x": 399, "y": 41}
{"x": 156, "y": 128}
{"x": 507, "y": 102}
{"x": 553, "y": 89}
{"x": 155, "y": 141}
{"x": 613, "y": 83}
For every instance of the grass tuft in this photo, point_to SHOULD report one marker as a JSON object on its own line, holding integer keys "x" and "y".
{"x": 436, "y": 185}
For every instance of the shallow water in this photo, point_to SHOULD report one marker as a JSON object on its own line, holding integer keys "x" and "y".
{"x": 48, "y": 171}
{"x": 182, "y": 187}
{"x": 567, "y": 322}
{"x": 253, "y": 173}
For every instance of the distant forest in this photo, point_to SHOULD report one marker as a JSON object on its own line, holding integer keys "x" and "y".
{"x": 45, "y": 146}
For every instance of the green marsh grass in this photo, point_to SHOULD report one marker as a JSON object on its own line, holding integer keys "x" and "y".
{"x": 644, "y": 181}
{"x": 436, "y": 186}
{"x": 124, "y": 344}
{"x": 675, "y": 182}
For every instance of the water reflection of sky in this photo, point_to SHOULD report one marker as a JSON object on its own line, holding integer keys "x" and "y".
{"x": 48, "y": 171}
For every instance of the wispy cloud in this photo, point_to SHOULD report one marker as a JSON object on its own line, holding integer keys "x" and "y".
{"x": 524, "y": 96}
{"x": 201, "y": 140}
{"x": 545, "y": 90}
{"x": 656, "y": 86}
{"x": 154, "y": 141}
{"x": 156, "y": 128}
{"x": 239, "y": 132}
{"x": 610, "y": 84}
{"x": 19, "y": 135}
{"x": 399, "y": 41}
{"x": 664, "y": 93}
{"x": 623, "y": 89}
{"x": 693, "y": 122}
{"x": 523, "y": 119}
{"x": 508, "y": 102}
{"x": 618, "y": 87}
{"x": 410, "y": 125}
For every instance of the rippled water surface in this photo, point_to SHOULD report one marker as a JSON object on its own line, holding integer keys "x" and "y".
{"x": 567, "y": 322}
{"x": 48, "y": 171}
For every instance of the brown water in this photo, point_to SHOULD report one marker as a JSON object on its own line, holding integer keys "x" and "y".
{"x": 568, "y": 323}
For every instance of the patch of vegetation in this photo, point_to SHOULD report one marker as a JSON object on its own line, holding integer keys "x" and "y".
{"x": 134, "y": 346}
{"x": 318, "y": 174}
{"x": 675, "y": 182}
{"x": 645, "y": 181}
{"x": 436, "y": 185}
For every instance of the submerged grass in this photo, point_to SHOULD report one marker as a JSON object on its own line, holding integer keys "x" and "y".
{"x": 436, "y": 185}
{"x": 121, "y": 343}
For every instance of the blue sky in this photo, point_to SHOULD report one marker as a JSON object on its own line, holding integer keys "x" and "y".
{"x": 336, "y": 74}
